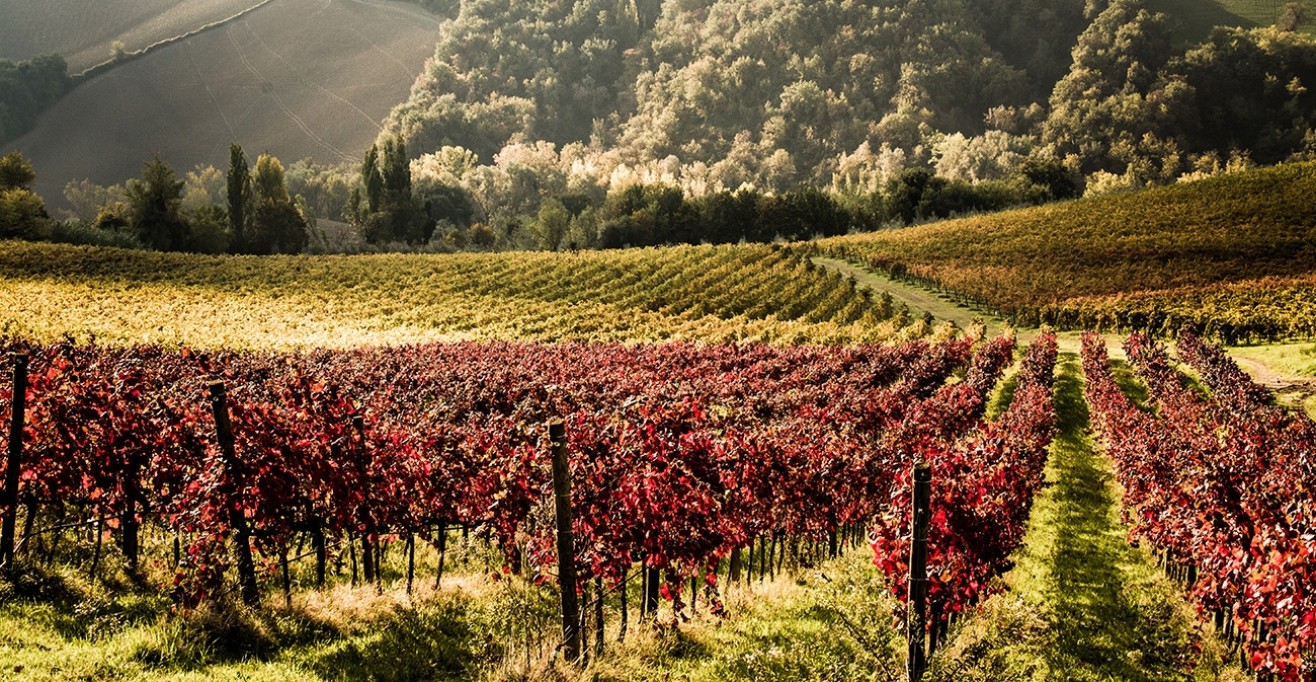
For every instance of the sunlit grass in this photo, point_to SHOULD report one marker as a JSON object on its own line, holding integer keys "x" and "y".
{"x": 1082, "y": 603}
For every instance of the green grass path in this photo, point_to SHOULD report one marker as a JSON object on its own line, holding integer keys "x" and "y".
{"x": 1112, "y": 614}
{"x": 917, "y": 299}
{"x": 1082, "y": 603}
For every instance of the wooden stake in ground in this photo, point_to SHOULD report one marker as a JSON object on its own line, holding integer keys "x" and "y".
{"x": 566, "y": 543}
{"x": 12, "y": 468}
{"x": 918, "y": 572}
{"x": 241, "y": 533}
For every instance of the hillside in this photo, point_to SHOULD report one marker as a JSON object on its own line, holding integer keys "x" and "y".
{"x": 1235, "y": 255}
{"x": 695, "y": 293}
{"x": 83, "y": 31}
{"x": 1194, "y": 19}
{"x": 297, "y": 78}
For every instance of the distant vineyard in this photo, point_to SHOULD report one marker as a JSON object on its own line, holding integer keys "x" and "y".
{"x": 1220, "y": 488}
{"x": 693, "y": 293}
{"x": 682, "y": 455}
{"x": 1231, "y": 256}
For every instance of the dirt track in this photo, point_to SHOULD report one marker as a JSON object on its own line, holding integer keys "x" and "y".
{"x": 1290, "y": 387}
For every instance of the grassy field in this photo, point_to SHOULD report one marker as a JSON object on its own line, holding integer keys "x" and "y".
{"x": 704, "y": 293}
{"x": 1195, "y": 18}
{"x": 827, "y": 623}
{"x": 296, "y": 78}
{"x": 83, "y": 30}
{"x": 1234, "y": 255}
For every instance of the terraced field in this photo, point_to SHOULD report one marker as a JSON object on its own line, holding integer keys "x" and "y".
{"x": 295, "y": 78}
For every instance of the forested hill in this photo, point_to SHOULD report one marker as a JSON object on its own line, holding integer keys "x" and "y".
{"x": 731, "y": 81}
{"x": 710, "y": 94}
{"x": 603, "y": 123}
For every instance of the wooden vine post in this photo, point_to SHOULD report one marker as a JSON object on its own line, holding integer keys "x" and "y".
{"x": 241, "y": 533}
{"x": 566, "y": 543}
{"x": 369, "y": 539}
{"x": 918, "y": 572}
{"x": 13, "y": 467}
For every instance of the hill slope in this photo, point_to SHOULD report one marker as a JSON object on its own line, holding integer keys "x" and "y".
{"x": 296, "y": 78}
{"x": 1195, "y": 18}
{"x": 84, "y": 30}
{"x": 1234, "y": 255}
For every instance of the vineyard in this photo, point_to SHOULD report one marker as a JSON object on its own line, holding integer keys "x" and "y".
{"x": 713, "y": 294}
{"x": 1219, "y": 487}
{"x": 1229, "y": 256}
{"x": 707, "y": 462}
{"x": 706, "y": 424}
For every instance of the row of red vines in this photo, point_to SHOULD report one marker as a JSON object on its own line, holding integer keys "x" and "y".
{"x": 682, "y": 453}
{"x": 983, "y": 484}
{"x": 1221, "y": 483}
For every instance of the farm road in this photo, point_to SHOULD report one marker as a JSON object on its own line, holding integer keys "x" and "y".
{"x": 1280, "y": 367}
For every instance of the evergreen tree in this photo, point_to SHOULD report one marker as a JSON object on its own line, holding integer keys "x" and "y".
{"x": 276, "y": 224}
{"x": 155, "y": 208}
{"x": 372, "y": 180}
{"x": 391, "y": 213}
{"x": 239, "y": 196}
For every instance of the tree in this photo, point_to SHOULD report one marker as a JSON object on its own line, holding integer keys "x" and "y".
{"x": 88, "y": 199}
{"x": 1111, "y": 95}
{"x": 905, "y": 193}
{"x": 22, "y": 215}
{"x": 28, "y": 88}
{"x": 391, "y": 213}
{"x": 16, "y": 171}
{"x": 372, "y": 180}
{"x": 22, "y": 212}
{"x": 1046, "y": 179}
{"x": 550, "y": 226}
{"x": 276, "y": 224}
{"x": 239, "y": 197}
{"x": 155, "y": 208}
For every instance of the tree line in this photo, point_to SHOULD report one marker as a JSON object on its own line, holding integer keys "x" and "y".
{"x": 257, "y": 214}
{"x": 390, "y": 202}
{"x": 28, "y": 88}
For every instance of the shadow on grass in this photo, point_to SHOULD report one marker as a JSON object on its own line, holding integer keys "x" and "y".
{"x": 74, "y": 608}
{"x": 1109, "y": 621}
{"x": 431, "y": 642}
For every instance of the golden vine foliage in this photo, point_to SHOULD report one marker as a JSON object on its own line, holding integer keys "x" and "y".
{"x": 705, "y": 293}
{"x": 1233, "y": 256}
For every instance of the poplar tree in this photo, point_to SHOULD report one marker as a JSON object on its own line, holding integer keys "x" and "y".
{"x": 239, "y": 196}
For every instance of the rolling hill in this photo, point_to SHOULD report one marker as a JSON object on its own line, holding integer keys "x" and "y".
{"x": 83, "y": 31}
{"x": 1233, "y": 255}
{"x": 295, "y": 78}
{"x": 704, "y": 293}
{"x": 1194, "y": 19}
